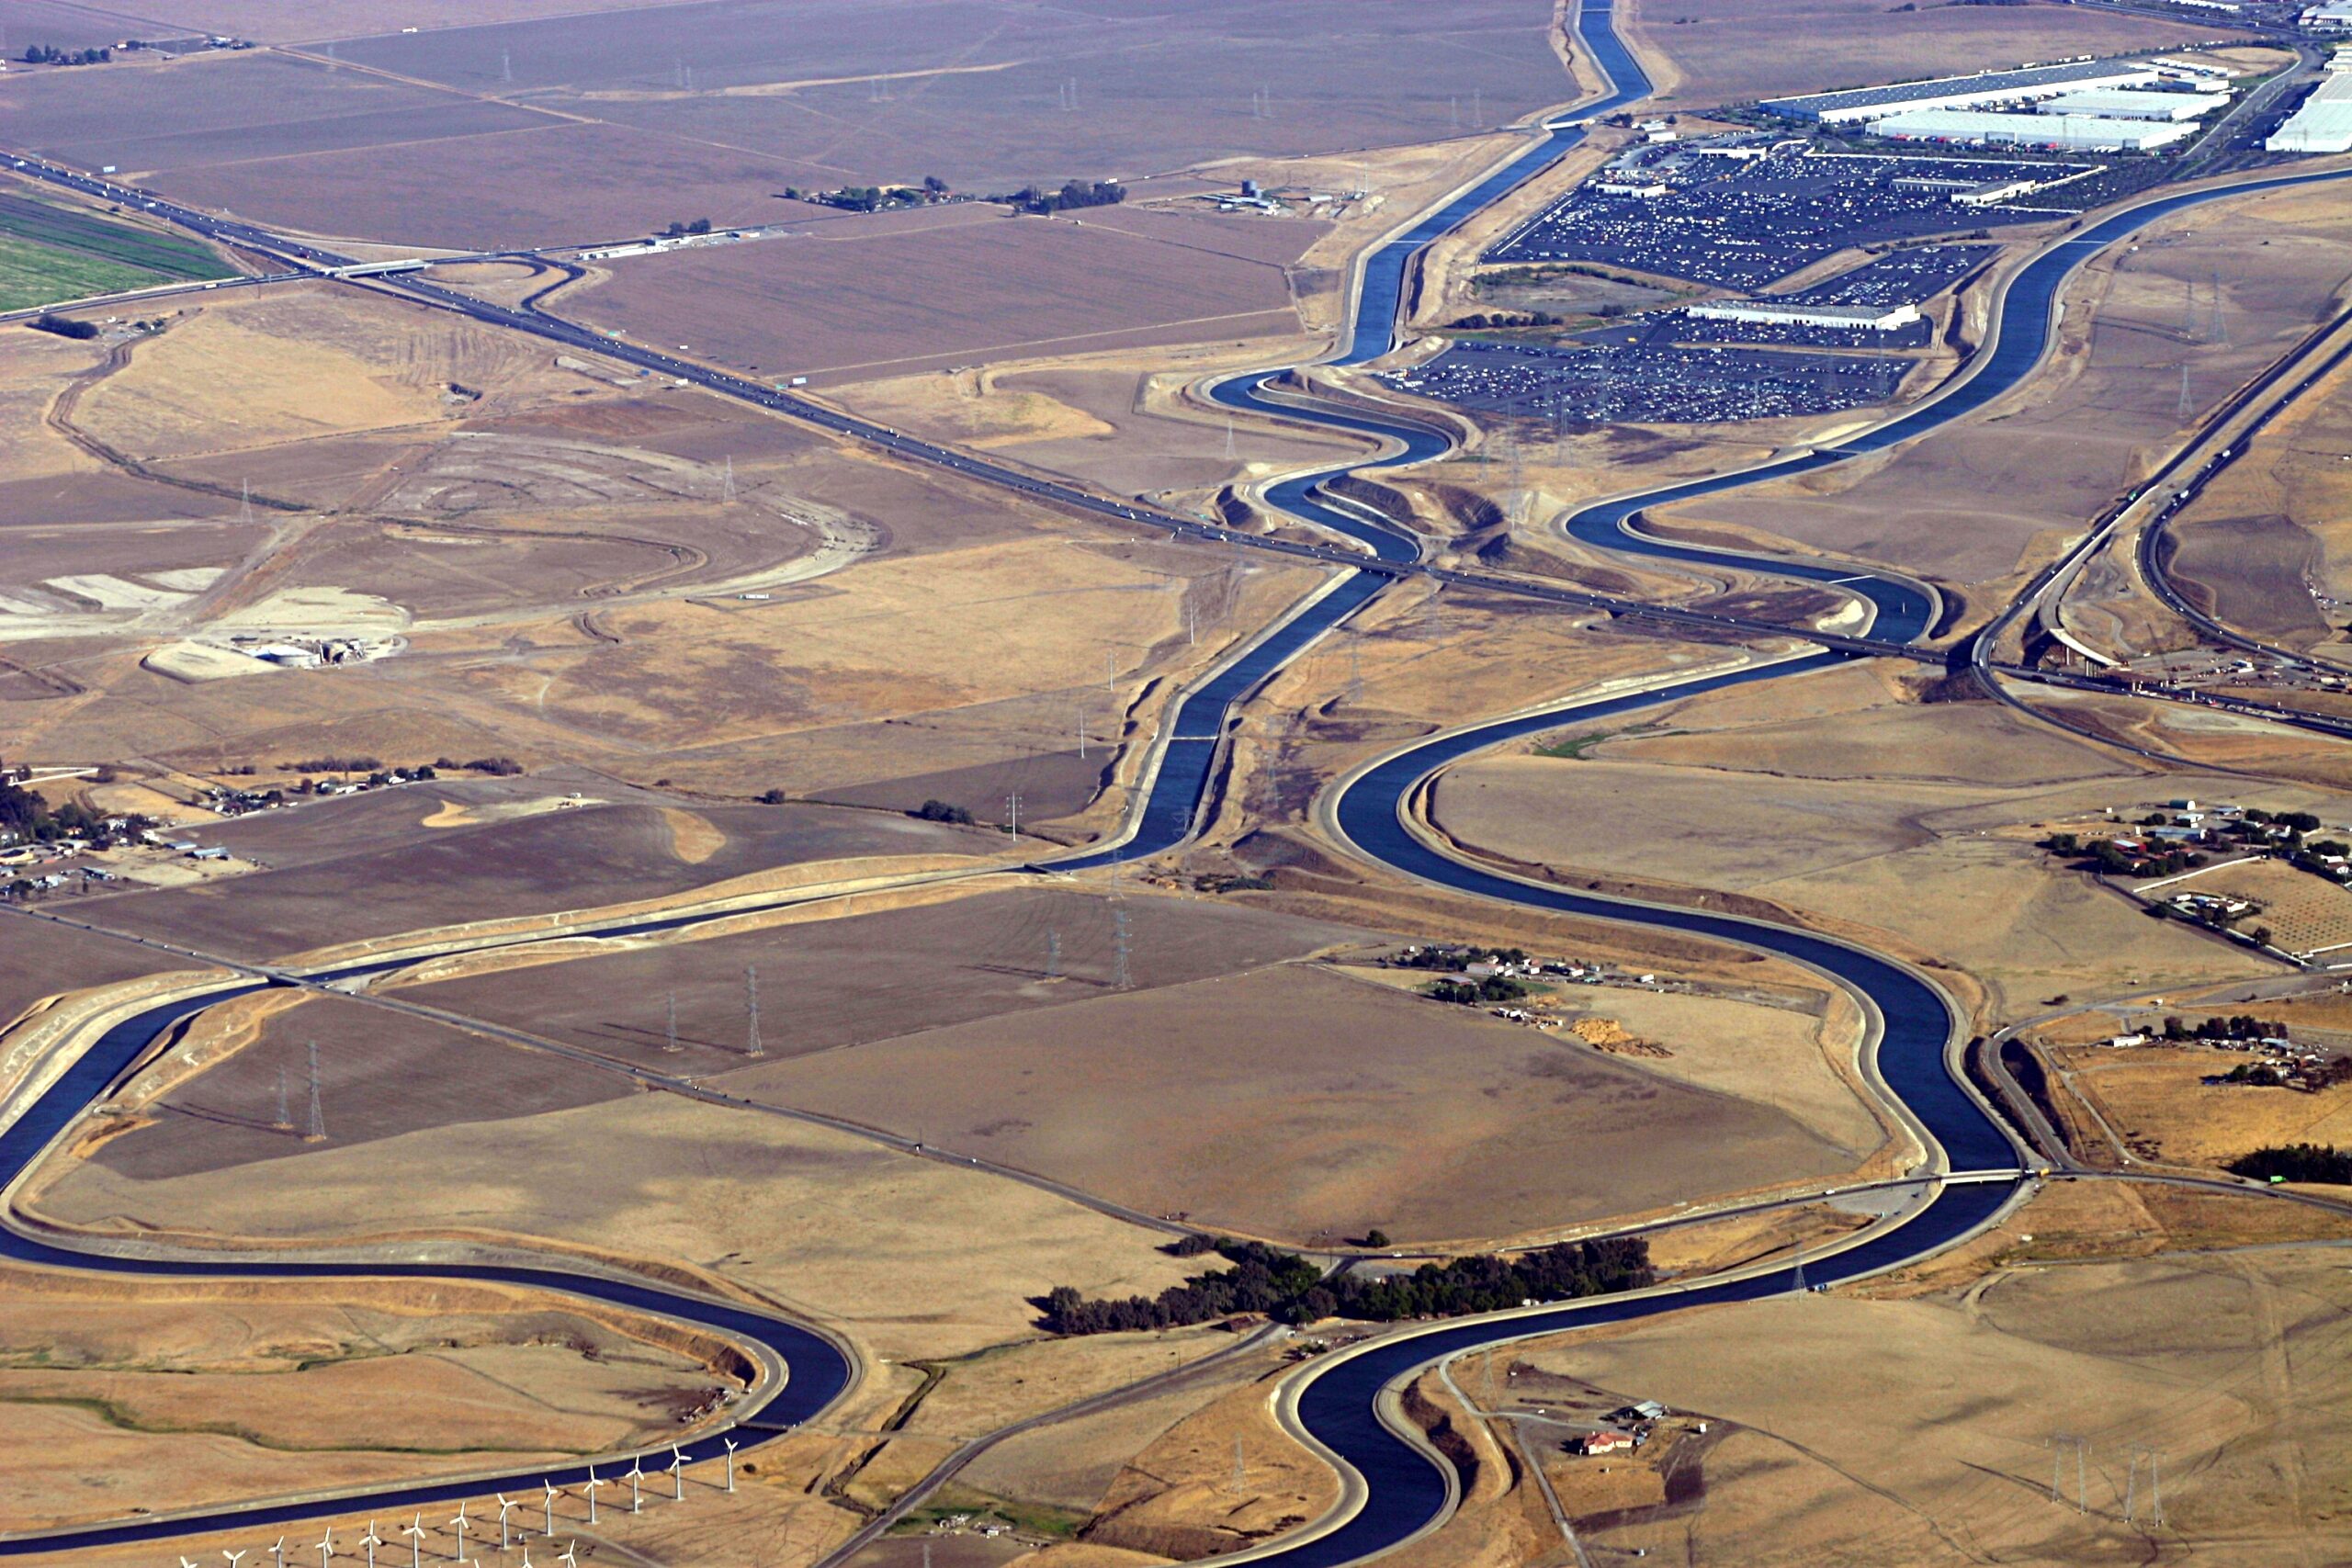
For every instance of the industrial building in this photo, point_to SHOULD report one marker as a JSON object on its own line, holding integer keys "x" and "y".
{"x": 2332, "y": 17}
{"x": 1966, "y": 92}
{"x": 2323, "y": 123}
{"x": 2121, "y": 103}
{"x": 2067, "y": 133}
{"x": 1807, "y": 314}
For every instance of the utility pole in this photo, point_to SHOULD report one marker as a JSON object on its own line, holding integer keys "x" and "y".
{"x": 752, "y": 1009}
{"x": 318, "y": 1129}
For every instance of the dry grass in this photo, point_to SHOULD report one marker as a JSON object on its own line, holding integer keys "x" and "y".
{"x": 1930, "y": 1420}
{"x": 172, "y": 1395}
{"x": 2157, "y": 1101}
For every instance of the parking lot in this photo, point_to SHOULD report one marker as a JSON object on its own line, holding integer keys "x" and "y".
{"x": 1651, "y": 383}
{"x": 1745, "y": 224}
{"x": 1910, "y": 276}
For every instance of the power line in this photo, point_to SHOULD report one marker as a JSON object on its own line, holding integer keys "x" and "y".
{"x": 752, "y": 1011}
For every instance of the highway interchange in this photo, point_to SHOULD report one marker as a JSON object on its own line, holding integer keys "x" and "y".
{"x": 1399, "y": 1491}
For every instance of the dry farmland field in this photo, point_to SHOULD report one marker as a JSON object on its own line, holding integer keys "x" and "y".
{"x": 1721, "y": 51}
{"x": 651, "y": 113}
{"x": 969, "y": 285}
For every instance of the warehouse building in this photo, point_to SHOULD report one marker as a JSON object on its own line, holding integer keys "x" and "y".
{"x": 2323, "y": 123}
{"x": 1806, "y": 313}
{"x": 2067, "y": 133}
{"x": 1966, "y": 92}
{"x": 2121, "y": 103}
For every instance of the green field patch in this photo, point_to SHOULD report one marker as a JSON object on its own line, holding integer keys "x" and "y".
{"x": 50, "y": 253}
{"x": 36, "y": 274}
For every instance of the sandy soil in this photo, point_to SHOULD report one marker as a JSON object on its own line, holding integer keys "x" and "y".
{"x": 1268, "y": 1104}
{"x": 1909, "y": 820}
{"x": 1940, "y": 1429}
{"x": 912, "y": 1257}
{"x": 176, "y": 1396}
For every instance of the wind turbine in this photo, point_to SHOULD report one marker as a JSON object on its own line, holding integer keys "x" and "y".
{"x": 677, "y": 1474}
{"x": 327, "y": 1546}
{"x": 186, "y": 1563}
{"x": 504, "y": 1509}
{"x": 371, "y": 1541}
{"x": 459, "y": 1522}
{"x": 277, "y": 1552}
{"x": 569, "y": 1556}
{"x": 551, "y": 1497}
{"x": 236, "y": 1557}
{"x": 636, "y": 1482}
{"x": 415, "y": 1533}
{"x": 526, "y": 1553}
{"x": 593, "y": 1483}
{"x": 731, "y": 1462}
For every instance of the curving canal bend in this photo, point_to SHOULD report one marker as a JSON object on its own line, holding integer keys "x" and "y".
{"x": 1404, "y": 1489}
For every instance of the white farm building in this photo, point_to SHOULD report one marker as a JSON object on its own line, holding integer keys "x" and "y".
{"x": 2066, "y": 132}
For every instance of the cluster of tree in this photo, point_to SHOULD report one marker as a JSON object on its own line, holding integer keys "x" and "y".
{"x": 2106, "y": 855}
{"x": 2297, "y": 1162}
{"x": 50, "y": 54}
{"x": 1289, "y": 1287}
{"x": 1074, "y": 194}
{"x": 1471, "y": 993}
{"x": 1221, "y": 882}
{"x": 939, "y": 811}
{"x": 1492, "y": 319}
{"x": 2237, "y": 1026}
{"x": 2272, "y": 1075}
{"x": 333, "y": 765}
{"x": 45, "y": 323}
{"x": 697, "y": 226}
{"x": 874, "y": 198}
{"x": 26, "y": 815}
{"x": 1438, "y": 956}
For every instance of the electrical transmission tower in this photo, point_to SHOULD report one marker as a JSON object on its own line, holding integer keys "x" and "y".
{"x": 670, "y": 1036}
{"x": 727, "y": 482}
{"x": 285, "y": 1117}
{"x": 1012, "y": 816}
{"x": 505, "y": 66}
{"x": 1796, "y": 1275}
{"x": 2059, "y": 1443}
{"x": 1121, "y": 978}
{"x": 2141, "y": 1451}
{"x": 245, "y": 503}
{"x": 1229, "y": 438}
{"x": 1053, "y": 954}
{"x": 752, "y": 1010}
{"x": 317, "y": 1133}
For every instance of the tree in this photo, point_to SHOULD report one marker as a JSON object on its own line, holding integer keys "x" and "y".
{"x": 1376, "y": 1238}
{"x": 772, "y": 797}
{"x": 934, "y": 184}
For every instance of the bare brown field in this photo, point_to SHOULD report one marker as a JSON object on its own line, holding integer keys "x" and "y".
{"x": 1829, "y": 796}
{"x": 1267, "y": 1104}
{"x": 179, "y": 1395}
{"x": 923, "y": 968}
{"x": 1970, "y": 502}
{"x": 974, "y": 96}
{"x": 911, "y": 1256}
{"x": 321, "y": 19}
{"x": 848, "y": 301}
{"x": 2156, "y": 1101}
{"x": 46, "y": 960}
{"x": 575, "y": 858}
{"x": 2267, "y": 531}
{"x": 1931, "y": 1422}
{"x": 64, "y": 25}
{"x": 2220, "y": 740}
{"x": 1718, "y": 51}
{"x": 1112, "y": 424}
{"x": 847, "y": 95}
